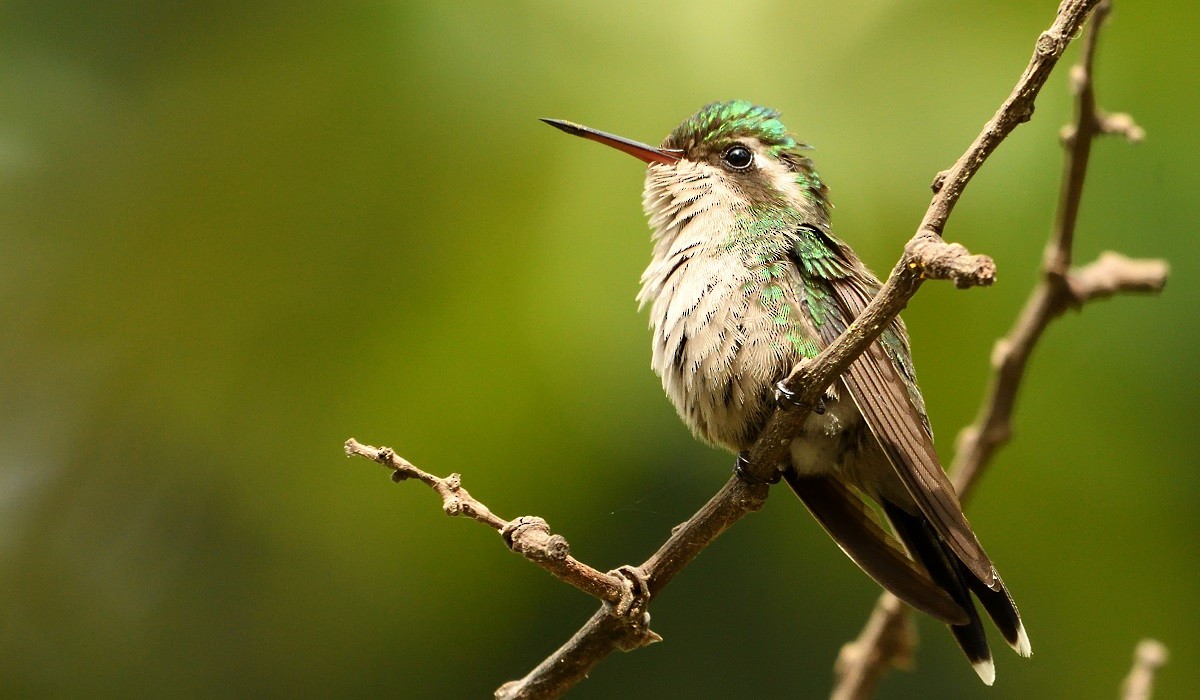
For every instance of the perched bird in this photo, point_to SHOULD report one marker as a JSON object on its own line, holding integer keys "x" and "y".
{"x": 745, "y": 280}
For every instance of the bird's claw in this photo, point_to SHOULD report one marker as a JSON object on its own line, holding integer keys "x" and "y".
{"x": 785, "y": 396}
{"x": 741, "y": 469}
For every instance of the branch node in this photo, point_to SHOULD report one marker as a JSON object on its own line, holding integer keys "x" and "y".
{"x": 635, "y": 591}
{"x": 1149, "y": 656}
{"x": 1153, "y": 653}
{"x": 966, "y": 436}
{"x": 1048, "y": 44}
{"x": 557, "y": 548}
{"x": 1120, "y": 124}
{"x": 631, "y": 608}
{"x": 998, "y": 433}
{"x": 938, "y": 181}
{"x": 1066, "y": 135}
{"x": 530, "y": 537}
{"x": 1024, "y": 113}
{"x": 937, "y": 259}
{"x": 1077, "y": 79}
{"x": 1001, "y": 352}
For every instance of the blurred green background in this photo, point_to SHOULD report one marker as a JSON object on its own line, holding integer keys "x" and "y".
{"x": 235, "y": 234}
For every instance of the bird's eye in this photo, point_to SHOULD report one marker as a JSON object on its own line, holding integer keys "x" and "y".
{"x": 738, "y": 157}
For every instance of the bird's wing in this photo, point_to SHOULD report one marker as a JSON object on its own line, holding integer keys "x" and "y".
{"x": 882, "y": 384}
{"x": 855, "y": 527}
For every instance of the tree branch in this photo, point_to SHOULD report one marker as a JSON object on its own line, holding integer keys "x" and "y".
{"x": 1149, "y": 656}
{"x": 863, "y": 662}
{"x": 621, "y": 623}
{"x": 529, "y": 536}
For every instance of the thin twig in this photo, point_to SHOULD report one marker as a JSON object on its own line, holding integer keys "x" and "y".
{"x": 1061, "y": 286}
{"x": 1149, "y": 656}
{"x": 863, "y": 662}
{"x": 529, "y": 536}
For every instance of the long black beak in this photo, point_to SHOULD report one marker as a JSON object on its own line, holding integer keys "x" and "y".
{"x": 641, "y": 151}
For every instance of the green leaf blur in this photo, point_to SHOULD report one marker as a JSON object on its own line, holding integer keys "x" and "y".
{"x": 236, "y": 234}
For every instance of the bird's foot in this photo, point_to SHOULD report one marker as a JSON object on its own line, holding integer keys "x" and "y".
{"x": 741, "y": 469}
{"x": 786, "y": 397}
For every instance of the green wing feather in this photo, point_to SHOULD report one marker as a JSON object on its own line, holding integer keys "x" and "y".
{"x": 823, "y": 258}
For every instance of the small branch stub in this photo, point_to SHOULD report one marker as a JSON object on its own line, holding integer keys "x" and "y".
{"x": 1113, "y": 273}
{"x": 530, "y": 536}
{"x": 635, "y": 597}
{"x": 936, "y": 259}
{"x": 1149, "y": 656}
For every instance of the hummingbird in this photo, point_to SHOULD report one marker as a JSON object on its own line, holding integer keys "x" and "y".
{"x": 745, "y": 280}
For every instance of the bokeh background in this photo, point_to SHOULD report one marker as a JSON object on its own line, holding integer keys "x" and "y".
{"x": 236, "y": 233}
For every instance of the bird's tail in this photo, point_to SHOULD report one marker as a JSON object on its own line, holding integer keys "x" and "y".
{"x": 956, "y": 579}
{"x": 856, "y": 528}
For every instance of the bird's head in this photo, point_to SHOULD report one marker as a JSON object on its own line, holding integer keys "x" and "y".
{"x": 742, "y": 147}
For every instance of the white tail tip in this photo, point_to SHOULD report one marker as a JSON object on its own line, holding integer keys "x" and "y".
{"x": 1022, "y": 646}
{"x": 986, "y": 670}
